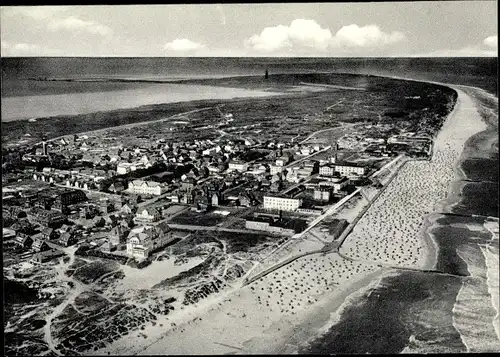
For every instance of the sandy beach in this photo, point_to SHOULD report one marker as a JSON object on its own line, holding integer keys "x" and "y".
{"x": 391, "y": 230}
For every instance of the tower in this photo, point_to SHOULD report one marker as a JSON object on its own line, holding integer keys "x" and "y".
{"x": 44, "y": 145}
{"x": 333, "y": 152}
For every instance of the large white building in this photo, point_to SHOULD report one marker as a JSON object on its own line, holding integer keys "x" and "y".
{"x": 140, "y": 187}
{"x": 281, "y": 203}
{"x": 126, "y": 167}
{"x": 148, "y": 215}
{"x": 327, "y": 170}
{"x": 144, "y": 240}
{"x": 238, "y": 166}
{"x": 274, "y": 169}
{"x": 350, "y": 170}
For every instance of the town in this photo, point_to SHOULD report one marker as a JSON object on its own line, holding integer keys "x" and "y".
{"x": 95, "y": 189}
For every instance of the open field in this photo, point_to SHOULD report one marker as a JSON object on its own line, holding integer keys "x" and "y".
{"x": 384, "y": 99}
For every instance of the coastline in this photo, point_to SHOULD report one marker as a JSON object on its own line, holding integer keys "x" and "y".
{"x": 56, "y": 105}
{"x": 282, "y": 337}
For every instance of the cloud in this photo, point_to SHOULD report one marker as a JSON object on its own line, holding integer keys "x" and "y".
{"x": 370, "y": 36}
{"x": 310, "y": 36}
{"x": 183, "y": 45}
{"x": 73, "y": 23}
{"x": 305, "y": 34}
{"x": 491, "y": 41}
{"x": 34, "y": 12}
{"x": 27, "y": 49}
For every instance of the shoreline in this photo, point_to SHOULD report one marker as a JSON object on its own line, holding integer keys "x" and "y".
{"x": 124, "y": 99}
{"x": 325, "y": 314}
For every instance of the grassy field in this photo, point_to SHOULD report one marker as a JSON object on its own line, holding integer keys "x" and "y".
{"x": 284, "y": 117}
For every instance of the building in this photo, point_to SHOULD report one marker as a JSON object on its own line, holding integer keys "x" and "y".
{"x": 46, "y": 218}
{"x": 48, "y": 255}
{"x": 337, "y": 184}
{"x": 123, "y": 168}
{"x": 142, "y": 241}
{"x": 188, "y": 184}
{"x": 141, "y": 187}
{"x": 277, "y": 226}
{"x": 24, "y": 241}
{"x": 238, "y": 166}
{"x": 282, "y": 160}
{"x": 350, "y": 170}
{"x": 67, "y": 198}
{"x": 67, "y": 239}
{"x": 39, "y": 245}
{"x": 148, "y": 215}
{"x": 327, "y": 170}
{"x": 275, "y": 169}
{"x": 322, "y": 194}
{"x": 49, "y": 233}
{"x": 116, "y": 187}
{"x": 281, "y": 203}
{"x": 118, "y": 236}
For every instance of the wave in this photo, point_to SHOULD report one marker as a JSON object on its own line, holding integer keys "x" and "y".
{"x": 473, "y": 308}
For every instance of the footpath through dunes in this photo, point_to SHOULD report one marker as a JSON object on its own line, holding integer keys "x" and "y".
{"x": 392, "y": 230}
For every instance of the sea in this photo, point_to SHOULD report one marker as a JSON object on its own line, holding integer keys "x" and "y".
{"x": 450, "y": 311}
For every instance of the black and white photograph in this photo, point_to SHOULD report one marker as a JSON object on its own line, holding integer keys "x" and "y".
{"x": 250, "y": 178}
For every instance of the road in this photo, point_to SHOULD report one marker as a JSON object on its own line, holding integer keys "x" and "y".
{"x": 76, "y": 290}
{"x": 330, "y": 86}
{"x": 307, "y": 157}
{"x": 343, "y": 126}
{"x": 192, "y": 227}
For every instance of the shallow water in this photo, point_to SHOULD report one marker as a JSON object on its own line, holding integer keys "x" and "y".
{"x": 411, "y": 306}
{"x": 42, "y": 106}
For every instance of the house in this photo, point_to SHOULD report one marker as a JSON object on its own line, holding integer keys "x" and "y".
{"x": 142, "y": 241}
{"x": 49, "y": 233}
{"x": 24, "y": 241}
{"x": 65, "y": 228}
{"x": 46, "y": 218}
{"x": 45, "y": 256}
{"x": 128, "y": 209}
{"x": 146, "y": 187}
{"x": 67, "y": 239}
{"x": 238, "y": 166}
{"x": 39, "y": 245}
{"x": 119, "y": 234}
{"x": 148, "y": 215}
{"x": 116, "y": 187}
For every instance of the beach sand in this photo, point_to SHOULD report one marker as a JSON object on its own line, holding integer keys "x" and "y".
{"x": 391, "y": 230}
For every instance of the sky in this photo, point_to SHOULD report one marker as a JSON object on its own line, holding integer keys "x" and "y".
{"x": 386, "y": 29}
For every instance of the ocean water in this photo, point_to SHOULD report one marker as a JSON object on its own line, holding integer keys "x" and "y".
{"x": 480, "y": 72}
{"x": 410, "y": 310}
{"x": 83, "y": 102}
